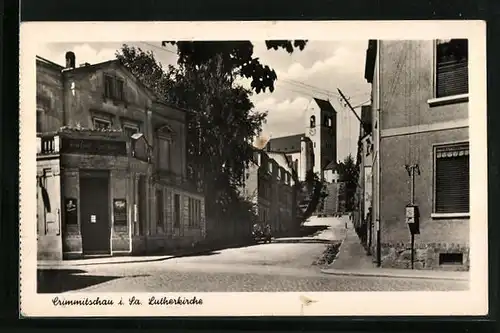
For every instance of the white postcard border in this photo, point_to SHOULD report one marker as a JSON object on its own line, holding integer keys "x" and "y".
{"x": 472, "y": 302}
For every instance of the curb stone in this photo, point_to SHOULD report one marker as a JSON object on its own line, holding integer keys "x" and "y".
{"x": 388, "y": 275}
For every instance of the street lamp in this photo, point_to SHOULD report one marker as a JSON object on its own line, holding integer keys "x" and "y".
{"x": 142, "y": 154}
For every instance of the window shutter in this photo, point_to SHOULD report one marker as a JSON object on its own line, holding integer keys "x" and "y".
{"x": 452, "y": 78}
{"x": 452, "y": 179}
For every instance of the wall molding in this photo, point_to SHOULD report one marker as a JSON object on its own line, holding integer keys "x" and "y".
{"x": 424, "y": 128}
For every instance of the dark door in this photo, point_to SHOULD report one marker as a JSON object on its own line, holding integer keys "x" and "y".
{"x": 94, "y": 213}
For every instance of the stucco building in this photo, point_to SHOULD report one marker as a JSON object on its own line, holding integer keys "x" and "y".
{"x": 111, "y": 165}
{"x": 420, "y": 122}
{"x": 269, "y": 184}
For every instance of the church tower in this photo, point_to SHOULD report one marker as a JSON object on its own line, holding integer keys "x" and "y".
{"x": 321, "y": 129}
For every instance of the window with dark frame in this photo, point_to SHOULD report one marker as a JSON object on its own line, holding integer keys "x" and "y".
{"x": 119, "y": 90}
{"x": 452, "y": 179}
{"x": 194, "y": 212}
{"x": 113, "y": 87}
{"x": 452, "y": 76}
{"x": 177, "y": 211}
{"x": 108, "y": 86}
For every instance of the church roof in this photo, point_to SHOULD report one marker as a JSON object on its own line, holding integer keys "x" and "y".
{"x": 285, "y": 144}
{"x": 324, "y": 105}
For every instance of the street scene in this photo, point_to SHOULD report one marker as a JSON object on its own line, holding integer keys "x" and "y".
{"x": 287, "y": 264}
{"x": 253, "y": 166}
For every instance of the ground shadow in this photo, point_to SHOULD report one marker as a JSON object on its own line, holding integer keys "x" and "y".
{"x": 302, "y": 240}
{"x": 63, "y": 280}
{"x": 308, "y": 231}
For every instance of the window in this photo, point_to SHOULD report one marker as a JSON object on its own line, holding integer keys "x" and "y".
{"x": 100, "y": 123}
{"x": 159, "y": 209}
{"x": 130, "y": 129}
{"x": 312, "y": 121}
{"x": 119, "y": 90}
{"x": 140, "y": 224}
{"x": 270, "y": 167}
{"x": 177, "y": 211}
{"x": 452, "y": 179}
{"x": 108, "y": 86}
{"x": 163, "y": 151}
{"x": 452, "y": 76}
{"x": 113, "y": 87}
{"x": 194, "y": 212}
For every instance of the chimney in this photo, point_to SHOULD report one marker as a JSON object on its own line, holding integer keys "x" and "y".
{"x": 70, "y": 59}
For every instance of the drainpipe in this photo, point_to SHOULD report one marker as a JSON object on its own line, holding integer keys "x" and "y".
{"x": 377, "y": 132}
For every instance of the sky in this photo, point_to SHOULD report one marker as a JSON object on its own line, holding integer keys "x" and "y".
{"x": 317, "y": 71}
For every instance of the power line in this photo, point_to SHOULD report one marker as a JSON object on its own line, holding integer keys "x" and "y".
{"x": 161, "y": 48}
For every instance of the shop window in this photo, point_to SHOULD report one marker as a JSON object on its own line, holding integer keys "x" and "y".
{"x": 177, "y": 211}
{"x": 451, "y": 179}
{"x": 452, "y": 77}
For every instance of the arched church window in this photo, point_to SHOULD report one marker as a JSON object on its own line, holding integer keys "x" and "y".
{"x": 312, "y": 121}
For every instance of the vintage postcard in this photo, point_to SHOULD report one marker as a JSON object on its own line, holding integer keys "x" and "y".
{"x": 253, "y": 169}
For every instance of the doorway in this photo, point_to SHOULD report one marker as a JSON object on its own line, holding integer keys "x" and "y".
{"x": 94, "y": 212}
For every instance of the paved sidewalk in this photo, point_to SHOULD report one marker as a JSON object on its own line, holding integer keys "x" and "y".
{"x": 352, "y": 260}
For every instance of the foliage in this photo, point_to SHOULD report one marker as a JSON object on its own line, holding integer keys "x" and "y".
{"x": 349, "y": 173}
{"x": 221, "y": 122}
{"x": 237, "y": 58}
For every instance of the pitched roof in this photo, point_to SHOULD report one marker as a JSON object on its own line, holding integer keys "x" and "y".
{"x": 331, "y": 166}
{"x": 285, "y": 144}
{"x": 93, "y": 67}
{"x": 324, "y": 105}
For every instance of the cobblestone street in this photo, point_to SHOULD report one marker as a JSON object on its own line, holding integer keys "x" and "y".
{"x": 284, "y": 265}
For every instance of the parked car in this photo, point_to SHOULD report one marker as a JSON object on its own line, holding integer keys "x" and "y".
{"x": 262, "y": 233}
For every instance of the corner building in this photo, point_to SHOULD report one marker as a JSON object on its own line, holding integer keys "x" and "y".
{"x": 111, "y": 165}
{"x": 420, "y": 118}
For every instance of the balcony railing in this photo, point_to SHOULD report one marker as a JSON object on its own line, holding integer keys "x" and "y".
{"x": 47, "y": 145}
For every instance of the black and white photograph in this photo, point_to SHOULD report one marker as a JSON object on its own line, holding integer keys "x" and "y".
{"x": 172, "y": 169}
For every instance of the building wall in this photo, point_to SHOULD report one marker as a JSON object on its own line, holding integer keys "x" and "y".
{"x": 49, "y": 224}
{"x": 84, "y": 98}
{"x": 49, "y": 96}
{"x": 411, "y": 125}
{"x": 74, "y": 97}
{"x": 275, "y": 198}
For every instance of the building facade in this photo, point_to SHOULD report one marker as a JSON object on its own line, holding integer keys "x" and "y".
{"x": 420, "y": 131}
{"x": 269, "y": 184}
{"x": 316, "y": 148}
{"x": 111, "y": 165}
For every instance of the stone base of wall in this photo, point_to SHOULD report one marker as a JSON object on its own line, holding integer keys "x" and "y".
{"x": 49, "y": 247}
{"x": 426, "y": 256}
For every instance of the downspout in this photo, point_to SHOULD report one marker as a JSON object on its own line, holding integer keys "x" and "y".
{"x": 377, "y": 217}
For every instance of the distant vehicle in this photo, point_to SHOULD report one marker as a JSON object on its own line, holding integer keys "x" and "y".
{"x": 261, "y": 233}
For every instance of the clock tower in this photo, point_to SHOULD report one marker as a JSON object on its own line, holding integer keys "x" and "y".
{"x": 321, "y": 129}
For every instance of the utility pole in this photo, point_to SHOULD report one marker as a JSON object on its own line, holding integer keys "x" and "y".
{"x": 411, "y": 169}
{"x": 349, "y": 105}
